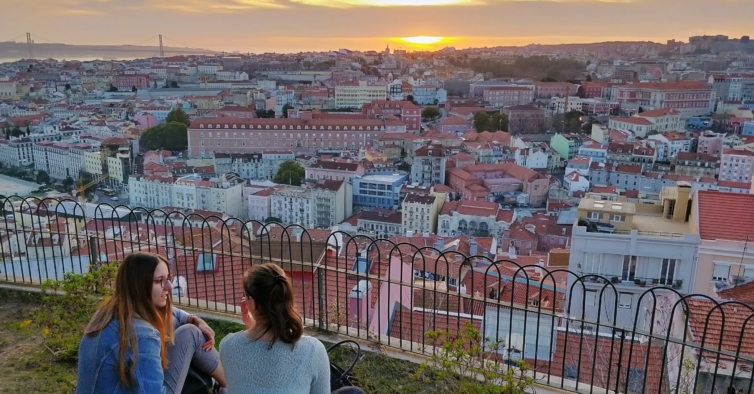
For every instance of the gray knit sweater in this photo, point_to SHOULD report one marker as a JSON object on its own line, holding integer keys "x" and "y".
{"x": 251, "y": 368}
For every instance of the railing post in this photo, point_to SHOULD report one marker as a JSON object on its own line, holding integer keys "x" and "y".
{"x": 93, "y": 255}
{"x": 320, "y": 299}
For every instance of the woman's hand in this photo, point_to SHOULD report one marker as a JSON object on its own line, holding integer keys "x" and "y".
{"x": 209, "y": 333}
{"x": 248, "y": 320}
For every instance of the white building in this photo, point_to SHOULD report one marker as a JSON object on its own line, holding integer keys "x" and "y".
{"x": 354, "y": 96}
{"x": 7, "y": 87}
{"x": 669, "y": 145}
{"x": 531, "y": 158}
{"x": 574, "y": 182}
{"x": 419, "y": 213}
{"x": 252, "y": 166}
{"x": 223, "y": 193}
{"x": 474, "y": 219}
{"x": 319, "y": 205}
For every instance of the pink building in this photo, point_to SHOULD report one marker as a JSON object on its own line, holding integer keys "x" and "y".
{"x": 710, "y": 143}
{"x": 690, "y": 98}
{"x": 508, "y": 96}
{"x": 454, "y": 125}
{"x": 302, "y": 135}
{"x": 736, "y": 165}
{"x": 156, "y": 156}
{"x": 127, "y": 81}
{"x": 406, "y": 111}
{"x": 555, "y": 89}
{"x": 145, "y": 120}
{"x": 494, "y": 181}
{"x": 238, "y": 111}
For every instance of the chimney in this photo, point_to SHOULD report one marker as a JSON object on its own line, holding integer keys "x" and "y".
{"x": 472, "y": 247}
{"x": 683, "y": 191}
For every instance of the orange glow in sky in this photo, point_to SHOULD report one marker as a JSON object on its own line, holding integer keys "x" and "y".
{"x": 422, "y": 40}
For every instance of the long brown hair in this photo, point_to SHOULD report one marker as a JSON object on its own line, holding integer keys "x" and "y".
{"x": 272, "y": 292}
{"x": 132, "y": 297}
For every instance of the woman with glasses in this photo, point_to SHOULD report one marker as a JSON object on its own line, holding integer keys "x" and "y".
{"x": 272, "y": 355}
{"x": 137, "y": 342}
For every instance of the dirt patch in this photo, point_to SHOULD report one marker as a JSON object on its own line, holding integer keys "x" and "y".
{"x": 24, "y": 360}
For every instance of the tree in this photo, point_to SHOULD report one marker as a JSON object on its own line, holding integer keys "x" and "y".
{"x": 174, "y": 85}
{"x": 178, "y": 115}
{"x": 286, "y": 107}
{"x": 68, "y": 182}
{"x": 133, "y": 89}
{"x": 273, "y": 219}
{"x": 112, "y": 88}
{"x": 641, "y": 110}
{"x": 43, "y": 177}
{"x": 410, "y": 98}
{"x": 290, "y": 173}
{"x": 548, "y": 79}
{"x": 16, "y": 132}
{"x": 307, "y": 64}
{"x": 430, "y": 113}
{"x": 172, "y": 136}
{"x": 67, "y": 86}
{"x": 589, "y": 78}
{"x": 485, "y": 122}
{"x": 481, "y": 119}
{"x": 270, "y": 113}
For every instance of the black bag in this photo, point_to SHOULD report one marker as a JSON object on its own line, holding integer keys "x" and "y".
{"x": 197, "y": 382}
{"x": 340, "y": 377}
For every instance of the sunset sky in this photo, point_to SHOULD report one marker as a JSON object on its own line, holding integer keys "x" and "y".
{"x": 301, "y": 25}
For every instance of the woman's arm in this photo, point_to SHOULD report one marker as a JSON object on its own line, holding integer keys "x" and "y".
{"x": 320, "y": 363}
{"x": 149, "y": 375}
{"x": 180, "y": 316}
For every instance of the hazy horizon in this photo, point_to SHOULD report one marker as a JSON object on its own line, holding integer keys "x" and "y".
{"x": 319, "y": 25}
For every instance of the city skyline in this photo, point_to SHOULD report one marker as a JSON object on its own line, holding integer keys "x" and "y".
{"x": 316, "y": 25}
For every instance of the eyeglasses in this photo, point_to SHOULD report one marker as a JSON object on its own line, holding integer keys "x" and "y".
{"x": 164, "y": 282}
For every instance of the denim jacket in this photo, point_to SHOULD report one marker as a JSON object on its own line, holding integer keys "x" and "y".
{"x": 98, "y": 360}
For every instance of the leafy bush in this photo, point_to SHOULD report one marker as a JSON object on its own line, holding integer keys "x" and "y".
{"x": 67, "y": 307}
{"x": 470, "y": 364}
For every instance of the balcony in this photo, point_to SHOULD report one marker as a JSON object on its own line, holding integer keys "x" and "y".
{"x": 633, "y": 281}
{"x": 523, "y": 305}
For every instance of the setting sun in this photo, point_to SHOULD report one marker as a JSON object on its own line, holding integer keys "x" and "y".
{"x": 422, "y": 40}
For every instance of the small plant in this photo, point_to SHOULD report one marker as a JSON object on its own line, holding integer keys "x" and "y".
{"x": 655, "y": 281}
{"x": 678, "y": 284}
{"x": 468, "y": 363}
{"x": 62, "y": 318}
{"x": 615, "y": 279}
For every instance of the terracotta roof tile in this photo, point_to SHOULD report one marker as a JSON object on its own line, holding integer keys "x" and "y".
{"x": 718, "y": 221}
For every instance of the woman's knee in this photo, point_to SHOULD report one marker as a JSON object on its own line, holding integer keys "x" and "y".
{"x": 188, "y": 333}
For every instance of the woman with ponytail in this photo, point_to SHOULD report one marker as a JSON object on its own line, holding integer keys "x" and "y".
{"x": 137, "y": 342}
{"x": 273, "y": 355}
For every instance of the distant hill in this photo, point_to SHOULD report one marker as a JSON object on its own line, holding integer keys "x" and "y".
{"x": 10, "y": 51}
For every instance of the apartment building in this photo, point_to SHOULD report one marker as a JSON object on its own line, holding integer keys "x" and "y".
{"x": 128, "y": 81}
{"x": 379, "y": 190}
{"x": 562, "y": 105}
{"x": 595, "y": 151}
{"x": 379, "y": 223}
{"x": 428, "y": 167}
{"x": 524, "y": 118}
{"x": 733, "y": 86}
{"x": 300, "y": 135}
{"x": 554, "y": 89}
{"x": 634, "y": 246}
{"x": 419, "y": 213}
{"x": 260, "y": 203}
{"x": 406, "y": 111}
{"x": 318, "y": 205}
{"x": 725, "y": 224}
{"x": 252, "y": 166}
{"x": 736, "y": 164}
{"x": 669, "y": 145}
{"x": 689, "y": 98}
{"x": 567, "y": 145}
{"x": 631, "y": 153}
{"x": 474, "y": 219}
{"x": 508, "y": 96}
{"x": 339, "y": 170}
{"x": 358, "y": 94}
{"x": 53, "y": 158}
{"x": 711, "y": 143}
{"x": 695, "y": 164}
{"x": 223, "y": 193}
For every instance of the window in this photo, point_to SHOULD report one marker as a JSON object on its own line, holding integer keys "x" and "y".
{"x": 593, "y": 215}
{"x": 721, "y": 272}
{"x": 624, "y": 300}
{"x": 629, "y": 268}
{"x": 590, "y": 298}
{"x": 617, "y": 218}
{"x": 667, "y": 271}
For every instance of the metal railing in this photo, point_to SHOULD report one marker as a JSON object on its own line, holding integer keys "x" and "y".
{"x": 393, "y": 294}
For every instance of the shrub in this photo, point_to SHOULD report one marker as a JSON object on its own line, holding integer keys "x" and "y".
{"x": 469, "y": 363}
{"x": 67, "y": 306}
